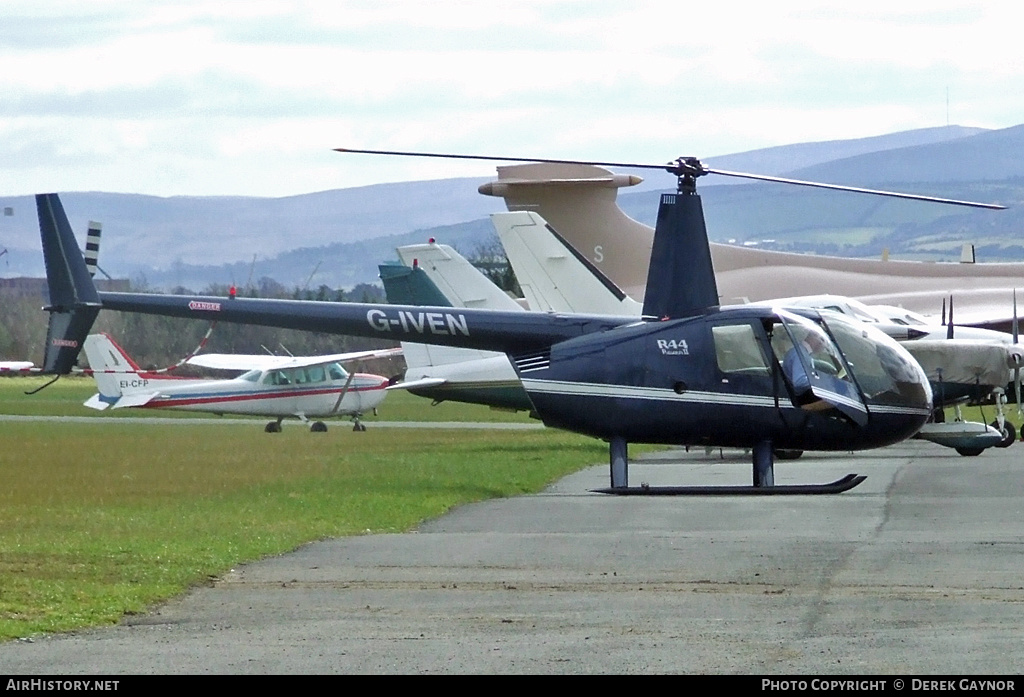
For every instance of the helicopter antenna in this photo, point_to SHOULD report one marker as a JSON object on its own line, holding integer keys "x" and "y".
{"x": 312, "y": 273}
{"x": 252, "y": 268}
{"x": 687, "y": 170}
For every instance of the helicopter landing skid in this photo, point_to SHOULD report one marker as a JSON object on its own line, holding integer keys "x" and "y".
{"x": 836, "y": 487}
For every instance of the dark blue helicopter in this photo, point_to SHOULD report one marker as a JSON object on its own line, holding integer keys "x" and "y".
{"x": 687, "y": 373}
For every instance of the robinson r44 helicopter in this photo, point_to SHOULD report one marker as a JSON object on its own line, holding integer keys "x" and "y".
{"x": 688, "y": 372}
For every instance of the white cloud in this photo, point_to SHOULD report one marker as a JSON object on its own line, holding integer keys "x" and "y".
{"x": 200, "y": 97}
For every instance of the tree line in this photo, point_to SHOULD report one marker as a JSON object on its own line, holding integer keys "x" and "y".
{"x": 157, "y": 342}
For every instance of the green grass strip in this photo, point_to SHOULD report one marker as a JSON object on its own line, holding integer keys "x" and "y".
{"x": 107, "y": 519}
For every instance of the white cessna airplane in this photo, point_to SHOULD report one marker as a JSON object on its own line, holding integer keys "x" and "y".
{"x": 305, "y": 388}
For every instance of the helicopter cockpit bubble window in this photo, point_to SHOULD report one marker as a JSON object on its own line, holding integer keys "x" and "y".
{"x": 814, "y": 367}
{"x": 886, "y": 373}
{"x": 805, "y": 350}
{"x": 737, "y": 350}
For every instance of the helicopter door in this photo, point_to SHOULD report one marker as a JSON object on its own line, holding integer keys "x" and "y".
{"x": 815, "y": 369}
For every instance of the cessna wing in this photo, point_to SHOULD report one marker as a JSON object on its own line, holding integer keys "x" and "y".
{"x": 231, "y": 361}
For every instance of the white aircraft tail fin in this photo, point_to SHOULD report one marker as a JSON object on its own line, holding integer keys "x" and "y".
{"x": 554, "y": 276}
{"x": 458, "y": 280}
{"x": 115, "y": 372}
{"x": 463, "y": 285}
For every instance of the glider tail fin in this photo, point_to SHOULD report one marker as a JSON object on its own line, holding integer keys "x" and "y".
{"x": 74, "y": 302}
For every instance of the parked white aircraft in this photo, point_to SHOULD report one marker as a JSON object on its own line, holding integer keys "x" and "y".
{"x": 305, "y": 388}
{"x": 897, "y": 322}
{"x": 16, "y": 366}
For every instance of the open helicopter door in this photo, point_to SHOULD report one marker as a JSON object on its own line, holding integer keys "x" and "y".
{"x": 815, "y": 368}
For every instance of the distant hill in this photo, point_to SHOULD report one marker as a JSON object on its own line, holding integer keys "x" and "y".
{"x": 980, "y": 166}
{"x": 788, "y": 159}
{"x": 343, "y": 234}
{"x": 340, "y": 265}
{"x": 986, "y": 156}
{"x": 142, "y": 234}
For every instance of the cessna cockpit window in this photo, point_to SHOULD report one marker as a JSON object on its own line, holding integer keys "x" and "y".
{"x": 277, "y": 377}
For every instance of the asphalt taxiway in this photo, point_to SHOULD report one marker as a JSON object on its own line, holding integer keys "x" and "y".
{"x": 919, "y": 570}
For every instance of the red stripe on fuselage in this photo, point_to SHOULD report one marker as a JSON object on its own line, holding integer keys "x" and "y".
{"x": 167, "y": 402}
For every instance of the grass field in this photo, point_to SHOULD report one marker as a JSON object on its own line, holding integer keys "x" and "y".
{"x": 106, "y": 518}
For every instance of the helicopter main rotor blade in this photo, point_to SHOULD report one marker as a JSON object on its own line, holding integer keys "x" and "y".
{"x": 683, "y": 166}
{"x": 856, "y": 189}
{"x": 498, "y": 158}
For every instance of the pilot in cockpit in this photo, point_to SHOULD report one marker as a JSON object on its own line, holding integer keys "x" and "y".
{"x": 811, "y": 346}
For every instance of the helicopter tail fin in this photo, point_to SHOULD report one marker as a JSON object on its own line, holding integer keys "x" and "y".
{"x": 681, "y": 278}
{"x": 74, "y": 302}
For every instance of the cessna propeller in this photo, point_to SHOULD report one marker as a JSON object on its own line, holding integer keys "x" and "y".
{"x": 688, "y": 373}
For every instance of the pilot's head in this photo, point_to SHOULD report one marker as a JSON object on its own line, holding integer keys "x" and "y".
{"x": 815, "y": 342}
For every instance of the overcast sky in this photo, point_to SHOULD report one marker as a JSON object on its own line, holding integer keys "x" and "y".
{"x": 249, "y": 98}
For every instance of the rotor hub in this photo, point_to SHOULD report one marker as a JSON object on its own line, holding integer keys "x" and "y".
{"x": 687, "y": 169}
